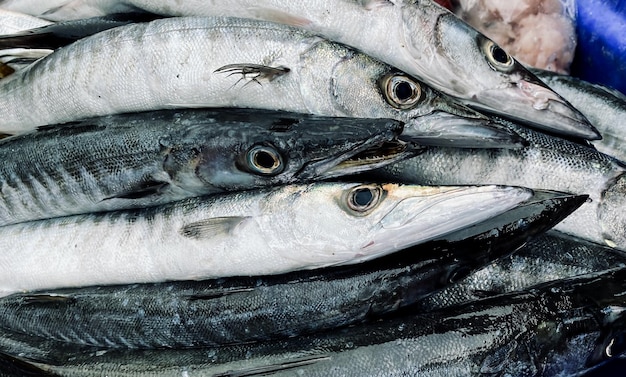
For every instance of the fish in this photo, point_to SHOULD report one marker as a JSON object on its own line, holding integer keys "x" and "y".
{"x": 254, "y": 232}
{"x": 547, "y": 163}
{"x": 604, "y": 107}
{"x": 15, "y": 22}
{"x": 145, "y": 159}
{"x": 244, "y": 309}
{"x": 547, "y": 257}
{"x": 421, "y": 38}
{"x": 229, "y": 62}
{"x": 556, "y": 329}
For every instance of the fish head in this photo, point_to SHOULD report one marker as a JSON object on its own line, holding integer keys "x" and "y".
{"x": 362, "y": 86}
{"x": 352, "y": 222}
{"x": 255, "y": 148}
{"x": 477, "y": 71}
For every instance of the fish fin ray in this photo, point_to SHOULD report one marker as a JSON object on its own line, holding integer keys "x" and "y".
{"x": 143, "y": 190}
{"x": 253, "y": 72}
{"x": 46, "y": 298}
{"x": 217, "y": 294}
{"x": 212, "y": 227}
{"x": 279, "y": 16}
{"x": 375, "y": 4}
{"x": 273, "y": 368}
{"x": 19, "y": 367}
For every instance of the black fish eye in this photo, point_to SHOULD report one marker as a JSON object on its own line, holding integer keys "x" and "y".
{"x": 362, "y": 199}
{"x": 497, "y": 57}
{"x": 400, "y": 91}
{"x": 264, "y": 160}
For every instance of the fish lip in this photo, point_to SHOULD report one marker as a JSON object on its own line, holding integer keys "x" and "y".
{"x": 543, "y": 109}
{"x": 442, "y": 129}
{"x": 371, "y": 154}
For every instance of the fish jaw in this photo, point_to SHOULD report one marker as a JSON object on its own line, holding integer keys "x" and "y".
{"x": 542, "y": 107}
{"x": 416, "y": 218}
{"x": 372, "y": 154}
{"x": 507, "y": 89}
{"x": 442, "y": 129}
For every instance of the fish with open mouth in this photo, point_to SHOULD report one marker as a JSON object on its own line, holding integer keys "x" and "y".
{"x": 556, "y": 329}
{"x": 145, "y": 159}
{"x": 254, "y": 232}
{"x": 230, "y": 62}
{"x": 243, "y": 309}
{"x": 419, "y": 37}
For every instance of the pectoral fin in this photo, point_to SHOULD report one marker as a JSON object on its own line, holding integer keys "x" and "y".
{"x": 274, "y": 368}
{"x": 45, "y": 299}
{"x": 213, "y": 227}
{"x": 143, "y": 190}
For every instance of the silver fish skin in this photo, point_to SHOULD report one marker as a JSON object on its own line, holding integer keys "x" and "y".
{"x": 14, "y": 22}
{"x": 254, "y": 232}
{"x": 548, "y": 257}
{"x": 151, "y": 158}
{"x": 547, "y": 163}
{"x": 604, "y": 108}
{"x": 229, "y": 62}
{"x": 421, "y": 38}
{"x": 556, "y": 329}
{"x": 244, "y": 309}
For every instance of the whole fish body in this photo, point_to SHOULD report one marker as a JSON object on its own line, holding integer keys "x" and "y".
{"x": 557, "y": 329}
{"x": 244, "y": 233}
{"x": 145, "y": 159}
{"x": 228, "y": 62}
{"x": 548, "y": 257}
{"x": 547, "y": 163}
{"x": 421, "y": 38}
{"x": 243, "y": 309}
{"x": 605, "y": 108}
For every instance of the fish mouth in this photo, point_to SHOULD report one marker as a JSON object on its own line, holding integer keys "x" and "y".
{"x": 442, "y": 129}
{"x": 530, "y": 101}
{"x": 364, "y": 157}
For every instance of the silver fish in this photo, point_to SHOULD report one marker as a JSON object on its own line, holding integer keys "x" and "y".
{"x": 549, "y": 257}
{"x": 244, "y": 309}
{"x": 420, "y": 38}
{"x": 605, "y": 108}
{"x": 225, "y": 62}
{"x": 547, "y": 163}
{"x": 557, "y": 329}
{"x": 244, "y": 233}
{"x": 145, "y": 159}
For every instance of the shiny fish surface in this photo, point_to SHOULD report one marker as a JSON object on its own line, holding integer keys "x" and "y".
{"x": 228, "y": 62}
{"x": 548, "y": 163}
{"x": 421, "y": 38}
{"x": 244, "y": 233}
{"x": 145, "y": 159}
{"x": 243, "y": 309}
{"x": 605, "y": 109}
{"x": 549, "y": 257}
{"x": 557, "y": 329}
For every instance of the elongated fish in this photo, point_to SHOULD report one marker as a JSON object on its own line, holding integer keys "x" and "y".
{"x": 234, "y": 310}
{"x": 245, "y": 233}
{"x": 549, "y": 257}
{"x": 557, "y": 329}
{"x": 200, "y": 62}
{"x": 145, "y": 159}
{"x": 605, "y": 108}
{"x": 420, "y": 38}
{"x": 547, "y": 163}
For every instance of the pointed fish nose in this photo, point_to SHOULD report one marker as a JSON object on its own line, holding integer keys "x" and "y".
{"x": 531, "y": 102}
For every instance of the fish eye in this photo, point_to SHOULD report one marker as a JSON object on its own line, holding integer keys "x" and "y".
{"x": 264, "y": 160}
{"x": 400, "y": 91}
{"x": 497, "y": 57}
{"x": 361, "y": 199}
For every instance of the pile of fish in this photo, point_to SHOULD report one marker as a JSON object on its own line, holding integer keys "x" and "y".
{"x": 320, "y": 188}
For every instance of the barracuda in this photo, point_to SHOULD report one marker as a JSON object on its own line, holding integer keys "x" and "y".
{"x": 243, "y": 309}
{"x": 145, "y": 159}
{"x": 420, "y": 38}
